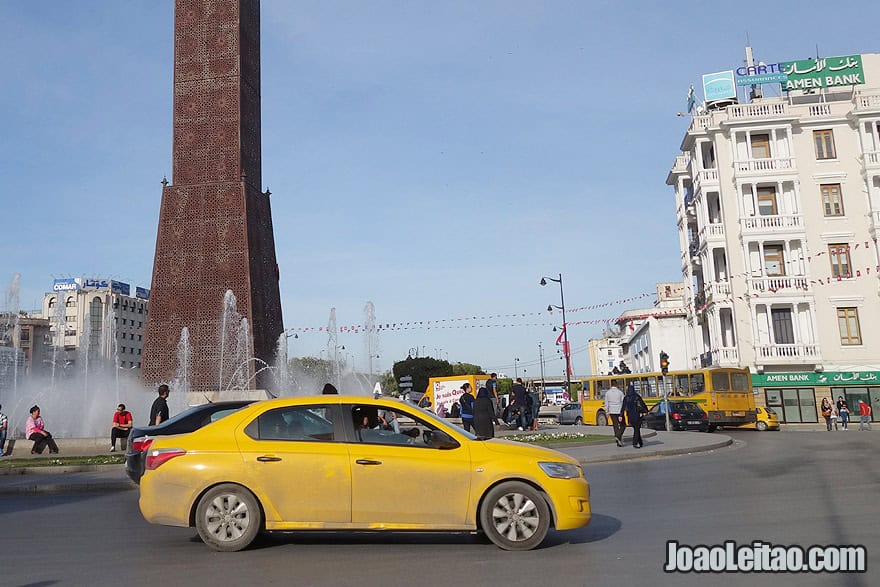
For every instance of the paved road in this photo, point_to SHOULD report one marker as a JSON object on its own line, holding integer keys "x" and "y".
{"x": 789, "y": 488}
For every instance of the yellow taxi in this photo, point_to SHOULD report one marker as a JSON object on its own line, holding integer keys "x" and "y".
{"x": 354, "y": 463}
{"x": 765, "y": 420}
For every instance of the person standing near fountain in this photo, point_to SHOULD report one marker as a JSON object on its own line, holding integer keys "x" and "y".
{"x": 159, "y": 409}
{"x": 4, "y": 425}
{"x": 35, "y": 430}
{"x": 122, "y": 422}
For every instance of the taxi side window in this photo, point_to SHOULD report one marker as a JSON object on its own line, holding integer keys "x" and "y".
{"x": 303, "y": 423}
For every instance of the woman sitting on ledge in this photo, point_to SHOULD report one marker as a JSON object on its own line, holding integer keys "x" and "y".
{"x": 35, "y": 430}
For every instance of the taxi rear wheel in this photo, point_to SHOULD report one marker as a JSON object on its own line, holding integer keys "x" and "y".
{"x": 228, "y": 518}
{"x": 515, "y": 516}
{"x": 762, "y": 426}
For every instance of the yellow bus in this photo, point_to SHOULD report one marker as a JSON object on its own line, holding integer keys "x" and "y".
{"x": 724, "y": 394}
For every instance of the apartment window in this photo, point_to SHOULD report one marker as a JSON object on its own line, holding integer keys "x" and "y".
{"x": 832, "y": 201}
{"x": 760, "y": 146}
{"x": 824, "y": 140}
{"x": 783, "y": 329}
{"x": 848, "y": 322}
{"x": 70, "y": 303}
{"x": 767, "y": 201}
{"x": 839, "y": 257}
{"x": 774, "y": 263}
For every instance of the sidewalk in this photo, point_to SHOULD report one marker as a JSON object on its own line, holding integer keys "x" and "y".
{"x": 95, "y": 478}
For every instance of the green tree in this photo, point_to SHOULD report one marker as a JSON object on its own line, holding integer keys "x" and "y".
{"x": 467, "y": 369}
{"x": 421, "y": 369}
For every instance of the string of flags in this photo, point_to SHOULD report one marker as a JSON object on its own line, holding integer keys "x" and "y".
{"x": 467, "y": 321}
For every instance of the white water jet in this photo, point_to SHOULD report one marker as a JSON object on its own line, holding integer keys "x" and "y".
{"x": 281, "y": 368}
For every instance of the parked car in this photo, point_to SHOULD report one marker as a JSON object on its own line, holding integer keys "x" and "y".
{"x": 194, "y": 418}
{"x": 335, "y": 463}
{"x": 765, "y": 420}
{"x": 682, "y": 416}
{"x": 571, "y": 414}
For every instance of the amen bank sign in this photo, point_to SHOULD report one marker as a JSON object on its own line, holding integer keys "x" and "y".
{"x": 833, "y": 378}
{"x": 806, "y": 74}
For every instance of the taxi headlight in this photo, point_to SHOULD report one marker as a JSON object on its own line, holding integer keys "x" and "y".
{"x": 561, "y": 470}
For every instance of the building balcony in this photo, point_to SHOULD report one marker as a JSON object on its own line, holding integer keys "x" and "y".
{"x": 786, "y": 353}
{"x": 699, "y": 124}
{"x": 866, "y": 101}
{"x": 772, "y": 225}
{"x": 874, "y": 215}
{"x": 720, "y": 357}
{"x": 681, "y": 164}
{"x": 783, "y": 284}
{"x": 739, "y": 113}
{"x": 705, "y": 179}
{"x": 871, "y": 160}
{"x": 711, "y": 233}
{"x": 765, "y": 167}
{"x": 718, "y": 291}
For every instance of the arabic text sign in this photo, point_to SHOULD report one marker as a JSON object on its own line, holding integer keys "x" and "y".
{"x": 826, "y": 72}
{"x": 719, "y": 86}
{"x": 829, "y": 378}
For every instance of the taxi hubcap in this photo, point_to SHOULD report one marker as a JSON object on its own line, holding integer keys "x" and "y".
{"x": 227, "y": 517}
{"x": 515, "y": 517}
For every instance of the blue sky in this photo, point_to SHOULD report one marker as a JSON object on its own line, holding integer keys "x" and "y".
{"x": 435, "y": 158}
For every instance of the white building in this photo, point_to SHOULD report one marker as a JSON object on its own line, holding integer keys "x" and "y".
{"x": 778, "y": 209}
{"x": 652, "y": 330}
{"x": 99, "y": 314}
{"x": 642, "y": 333}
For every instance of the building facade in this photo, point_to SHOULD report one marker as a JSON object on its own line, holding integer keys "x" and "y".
{"x": 778, "y": 210}
{"x": 30, "y": 336}
{"x": 96, "y": 316}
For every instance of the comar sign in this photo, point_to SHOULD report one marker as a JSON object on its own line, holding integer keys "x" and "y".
{"x": 826, "y": 72}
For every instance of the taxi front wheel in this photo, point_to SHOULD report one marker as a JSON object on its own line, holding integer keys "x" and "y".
{"x": 228, "y": 518}
{"x": 515, "y": 516}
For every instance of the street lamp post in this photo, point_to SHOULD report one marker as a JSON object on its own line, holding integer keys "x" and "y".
{"x": 541, "y": 355}
{"x": 566, "y": 349}
{"x": 515, "y": 370}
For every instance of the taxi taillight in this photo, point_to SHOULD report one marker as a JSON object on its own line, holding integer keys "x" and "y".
{"x": 160, "y": 456}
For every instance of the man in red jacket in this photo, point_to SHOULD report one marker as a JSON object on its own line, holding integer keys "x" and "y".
{"x": 864, "y": 415}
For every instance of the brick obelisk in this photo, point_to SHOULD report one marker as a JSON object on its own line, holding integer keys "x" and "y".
{"x": 215, "y": 222}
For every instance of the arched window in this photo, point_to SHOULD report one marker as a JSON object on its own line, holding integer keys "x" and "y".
{"x": 71, "y": 302}
{"x": 52, "y": 302}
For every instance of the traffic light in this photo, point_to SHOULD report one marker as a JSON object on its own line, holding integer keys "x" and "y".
{"x": 664, "y": 363}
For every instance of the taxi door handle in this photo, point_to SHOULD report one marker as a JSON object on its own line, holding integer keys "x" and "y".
{"x": 367, "y": 462}
{"x": 268, "y": 459}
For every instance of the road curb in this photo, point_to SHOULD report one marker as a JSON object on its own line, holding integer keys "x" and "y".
{"x": 56, "y": 488}
{"x": 55, "y": 469}
{"x": 629, "y": 456}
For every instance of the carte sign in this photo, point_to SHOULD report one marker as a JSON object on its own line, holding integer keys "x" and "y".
{"x": 826, "y": 72}
{"x": 827, "y": 378}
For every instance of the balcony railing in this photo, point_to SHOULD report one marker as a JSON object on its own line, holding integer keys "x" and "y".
{"x": 718, "y": 290}
{"x": 712, "y": 232}
{"x": 765, "y": 165}
{"x": 783, "y": 284}
{"x": 682, "y": 162}
{"x": 787, "y": 352}
{"x": 867, "y": 100}
{"x": 872, "y": 158}
{"x": 700, "y": 123}
{"x": 778, "y": 223}
{"x": 749, "y": 111}
{"x": 723, "y": 356}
